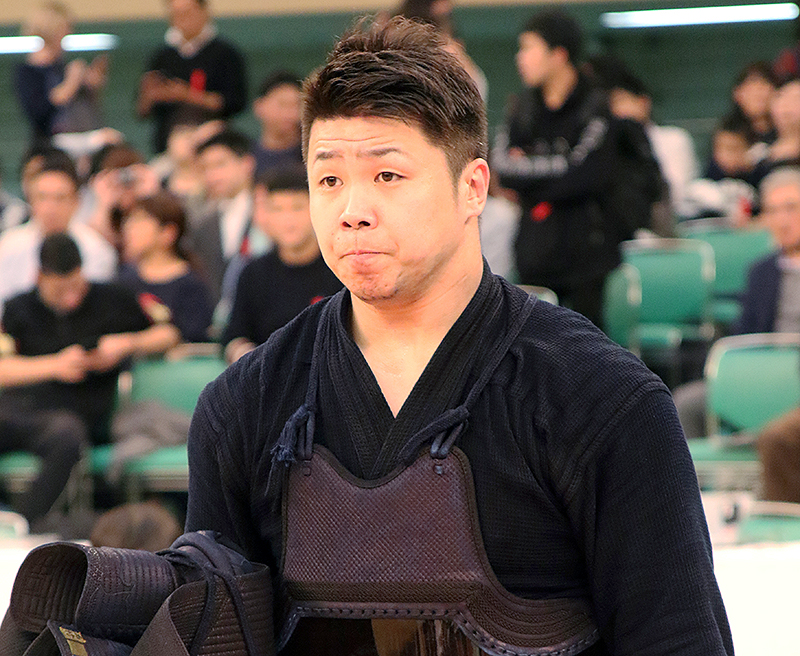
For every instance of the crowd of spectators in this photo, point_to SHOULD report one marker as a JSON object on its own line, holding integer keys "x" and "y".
{"x": 212, "y": 235}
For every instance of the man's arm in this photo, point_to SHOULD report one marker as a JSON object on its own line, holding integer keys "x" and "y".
{"x": 69, "y": 365}
{"x": 113, "y": 349}
{"x": 636, "y": 503}
{"x": 586, "y": 168}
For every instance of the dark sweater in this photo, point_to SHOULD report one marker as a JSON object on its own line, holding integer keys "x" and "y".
{"x": 269, "y": 294}
{"x": 221, "y": 65}
{"x": 186, "y": 297}
{"x": 584, "y": 483}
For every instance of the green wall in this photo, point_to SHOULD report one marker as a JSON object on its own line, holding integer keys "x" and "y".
{"x": 689, "y": 69}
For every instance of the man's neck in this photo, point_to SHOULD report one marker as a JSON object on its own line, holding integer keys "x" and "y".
{"x": 399, "y": 339}
{"x": 558, "y": 87}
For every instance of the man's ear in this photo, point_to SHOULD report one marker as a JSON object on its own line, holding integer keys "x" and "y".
{"x": 475, "y": 185}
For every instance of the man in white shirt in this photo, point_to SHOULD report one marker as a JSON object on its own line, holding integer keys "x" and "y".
{"x": 54, "y": 199}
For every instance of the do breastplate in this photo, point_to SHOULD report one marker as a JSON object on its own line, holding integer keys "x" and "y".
{"x": 409, "y": 547}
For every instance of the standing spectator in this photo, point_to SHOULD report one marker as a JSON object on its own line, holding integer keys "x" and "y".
{"x": 439, "y": 13}
{"x": 277, "y": 109}
{"x": 70, "y": 338}
{"x": 195, "y": 67}
{"x": 54, "y": 201}
{"x": 58, "y": 97}
{"x": 557, "y": 154}
{"x": 225, "y": 238}
{"x": 274, "y": 288}
{"x": 157, "y": 268}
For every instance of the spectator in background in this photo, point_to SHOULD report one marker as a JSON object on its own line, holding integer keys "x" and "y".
{"x": 69, "y": 337}
{"x": 752, "y": 96}
{"x": 770, "y": 301}
{"x": 158, "y": 270}
{"x": 274, "y": 288}
{"x": 556, "y": 152}
{"x": 726, "y": 189}
{"x": 122, "y": 176}
{"x": 195, "y": 67}
{"x": 54, "y": 197}
{"x": 439, "y": 13}
{"x": 147, "y": 525}
{"x": 225, "y": 238}
{"x": 672, "y": 146}
{"x": 178, "y": 167}
{"x": 277, "y": 109}
{"x": 785, "y": 113}
{"x": 58, "y": 97}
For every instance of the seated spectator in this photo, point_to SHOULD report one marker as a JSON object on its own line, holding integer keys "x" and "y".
{"x": 53, "y": 200}
{"x": 58, "y": 97}
{"x": 121, "y": 177}
{"x": 276, "y": 287}
{"x": 277, "y": 109}
{"x": 178, "y": 167}
{"x": 785, "y": 113}
{"x": 752, "y": 96}
{"x": 778, "y": 446}
{"x": 224, "y": 238}
{"x": 69, "y": 337}
{"x": 158, "y": 270}
{"x": 726, "y": 189}
{"x": 770, "y": 302}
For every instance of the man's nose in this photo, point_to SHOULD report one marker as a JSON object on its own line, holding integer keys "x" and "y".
{"x": 358, "y": 212}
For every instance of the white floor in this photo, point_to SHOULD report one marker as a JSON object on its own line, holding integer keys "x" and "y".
{"x": 760, "y": 584}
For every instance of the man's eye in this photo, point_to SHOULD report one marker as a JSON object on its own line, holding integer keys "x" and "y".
{"x": 387, "y": 176}
{"x": 329, "y": 181}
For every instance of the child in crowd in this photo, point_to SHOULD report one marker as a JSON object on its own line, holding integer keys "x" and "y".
{"x": 159, "y": 271}
{"x": 276, "y": 287}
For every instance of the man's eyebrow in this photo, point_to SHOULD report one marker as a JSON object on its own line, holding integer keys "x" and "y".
{"x": 367, "y": 153}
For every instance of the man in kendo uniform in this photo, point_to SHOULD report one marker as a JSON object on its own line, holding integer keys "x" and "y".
{"x": 431, "y": 461}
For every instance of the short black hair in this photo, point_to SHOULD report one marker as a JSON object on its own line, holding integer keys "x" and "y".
{"x": 59, "y": 254}
{"x": 284, "y": 178}
{"x": 400, "y": 70}
{"x": 278, "y": 79}
{"x": 238, "y": 143}
{"x": 558, "y": 29}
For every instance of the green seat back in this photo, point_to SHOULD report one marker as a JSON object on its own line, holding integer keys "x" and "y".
{"x": 622, "y": 301}
{"x": 676, "y": 276}
{"x": 752, "y": 379}
{"x": 176, "y": 383}
{"x": 734, "y": 253}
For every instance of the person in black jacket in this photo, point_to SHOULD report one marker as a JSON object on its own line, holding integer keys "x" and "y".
{"x": 195, "y": 67}
{"x": 558, "y": 152}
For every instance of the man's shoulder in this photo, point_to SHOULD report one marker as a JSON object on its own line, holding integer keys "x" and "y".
{"x": 16, "y": 236}
{"x": 767, "y": 266}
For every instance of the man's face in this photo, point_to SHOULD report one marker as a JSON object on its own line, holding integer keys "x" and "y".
{"x": 284, "y": 216}
{"x": 63, "y": 293}
{"x": 625, "y": 104}
{"x": 781, "y": 209}
{"x": 535, "y": 59}
{"x": 188, "y": 17}
{"x": 389, "y": 220}
{"x": 53, "y": 200}
{"x": 279, "y": 110}
{"x": 224, "y": 172}
{"x": 754, "y": 95}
